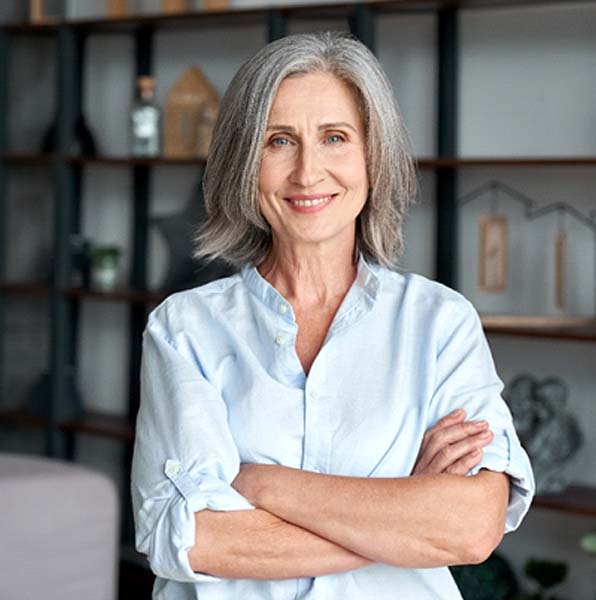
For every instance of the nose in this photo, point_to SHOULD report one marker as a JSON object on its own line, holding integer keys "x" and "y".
{"x": 308, "y": 169}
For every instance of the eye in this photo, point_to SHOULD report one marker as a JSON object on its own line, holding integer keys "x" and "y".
{"x": 337, "y": 137}
{"x": 285, "y": 142}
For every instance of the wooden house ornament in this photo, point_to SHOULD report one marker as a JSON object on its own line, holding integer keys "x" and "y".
{"x": 190, "y": 112}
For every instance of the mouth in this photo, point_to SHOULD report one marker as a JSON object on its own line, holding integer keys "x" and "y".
{"x": 311, "y": 204}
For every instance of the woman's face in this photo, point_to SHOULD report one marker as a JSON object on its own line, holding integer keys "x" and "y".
{"x": 314, "y": 149}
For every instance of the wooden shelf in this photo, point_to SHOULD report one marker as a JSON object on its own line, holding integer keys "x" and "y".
{"x": 553, "y": 327}
{"x": 101, "y": 425}
{"x": 134, "y": 161}
{"x": 422, "y": 162}
{"x": 244, "y": 16}
{"x": 25, "y": 288}
{"x": 17, "y": 416}
{"x": 509, "y": 161}
{"x": 23, "y": 159}
{"x": 123, "y": 294}
{"x": 91, "y": 423}
{"x": 576, "y": 499}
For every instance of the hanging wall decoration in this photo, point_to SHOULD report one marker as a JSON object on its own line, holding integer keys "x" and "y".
{"x": 492, "y": 265}
{"x": 178, "y": 231}
{"x": 191, "y": 109}
{"x": 492, "y": 256}
{"x": 560, "y": 260}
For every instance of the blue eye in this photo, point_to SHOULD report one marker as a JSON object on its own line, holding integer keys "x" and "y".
{"x": 335, "y": 135}
{"x": 279, "y": 140}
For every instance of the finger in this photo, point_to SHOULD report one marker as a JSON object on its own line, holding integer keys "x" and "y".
{"x": 451, "y": 453}
{"x": 446, "y": 421}
{"x": 452, "y": 434}
{"x": 464, "y": 464}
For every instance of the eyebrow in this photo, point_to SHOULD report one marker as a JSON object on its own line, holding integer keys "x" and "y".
{"x": 320, "y": 128}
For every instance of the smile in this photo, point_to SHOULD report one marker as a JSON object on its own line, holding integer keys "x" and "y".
{"x": 310, "y": 204}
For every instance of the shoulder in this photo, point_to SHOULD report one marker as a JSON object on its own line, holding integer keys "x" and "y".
{"x": 422, "y": 296}
{"x": 190, "y": 308}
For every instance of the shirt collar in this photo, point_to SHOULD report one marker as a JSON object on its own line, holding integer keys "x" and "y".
{"x": 367, "y": 281}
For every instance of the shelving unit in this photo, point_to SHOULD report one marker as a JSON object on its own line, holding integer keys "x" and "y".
{"x": 64, "y": 300}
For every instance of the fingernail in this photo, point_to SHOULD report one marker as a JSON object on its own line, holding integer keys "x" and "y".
{"x": 480, "y": 423}
{"x": 458, "y": 412}
{"x": 485, "y": 434}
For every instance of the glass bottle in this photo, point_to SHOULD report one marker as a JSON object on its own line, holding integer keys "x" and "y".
{"x": 145, "y": 120}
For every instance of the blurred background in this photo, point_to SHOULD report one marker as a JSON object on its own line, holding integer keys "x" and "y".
{"x": 100, "y": 193}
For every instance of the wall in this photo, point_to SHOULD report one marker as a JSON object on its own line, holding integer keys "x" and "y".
{"x": 527, "y": 88}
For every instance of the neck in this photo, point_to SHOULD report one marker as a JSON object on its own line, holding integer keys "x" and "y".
{"x": 310, "y": 277}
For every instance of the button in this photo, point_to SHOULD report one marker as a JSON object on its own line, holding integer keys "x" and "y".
{"x": 283, "y": 308}
{"x": 313, "y": 394}
{"x": 280, "y": 339}
{"x": 315, "y": 470}
{"x": 173, "y": 468}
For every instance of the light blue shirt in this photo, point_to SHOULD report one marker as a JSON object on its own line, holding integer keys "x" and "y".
{"x": 221, "y": 384}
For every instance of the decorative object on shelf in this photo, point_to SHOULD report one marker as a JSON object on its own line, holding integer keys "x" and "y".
{"x": 494, "y": 579}
{"x": 178, "y": 231}
{"x": 116, "y": 9}
{"x": 492, "y": 257}
{"x": 546, "y": 574}
{"x": 145, "y": 120}
{"x": 105, "y": 267}
{"x": 550, "y": 435}
{"x": 532, "y": 213}
{"x": 191, "y": 110}
{"x": 215, "y": 4}
{"x": 38, "y": 401}
{"x": 173, "y": 6}
{"x": 46, "y": 11}
{"x": 80, "y": 253}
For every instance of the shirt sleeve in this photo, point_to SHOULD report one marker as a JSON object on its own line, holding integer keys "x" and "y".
{"x": 184, "y": 456}
{"x": 467, "y": 378}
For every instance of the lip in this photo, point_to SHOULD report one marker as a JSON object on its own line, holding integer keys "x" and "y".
{"x": 310, "y": 209}
{"x": 308, "y": 196}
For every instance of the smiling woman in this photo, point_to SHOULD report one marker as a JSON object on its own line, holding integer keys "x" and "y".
{"x": 297, "y": 436}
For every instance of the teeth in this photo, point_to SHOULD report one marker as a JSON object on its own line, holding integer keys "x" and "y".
{"x": 310, "y": 202}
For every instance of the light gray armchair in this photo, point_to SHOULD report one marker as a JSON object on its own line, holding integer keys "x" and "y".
{"x": 59, "y": 526}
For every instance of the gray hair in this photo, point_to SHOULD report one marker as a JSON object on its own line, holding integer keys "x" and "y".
{"x": 235, "y": 230}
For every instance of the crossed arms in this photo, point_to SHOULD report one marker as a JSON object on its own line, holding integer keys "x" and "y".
{"x": 308, "y": 524}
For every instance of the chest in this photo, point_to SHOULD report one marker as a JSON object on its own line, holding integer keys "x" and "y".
{"x": 312, "y": 330}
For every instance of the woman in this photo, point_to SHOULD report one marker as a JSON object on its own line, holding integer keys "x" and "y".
{"x": 297, "y": 436}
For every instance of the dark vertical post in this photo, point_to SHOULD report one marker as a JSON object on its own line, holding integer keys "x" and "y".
{"x": 362, "y": 25}
{"x": 277, "y": 25}
{"x": 4, "y": 70}
{"x": 61, "y": 307}
{"x": 138, "y": 280}
{"x": 446, "y": 178}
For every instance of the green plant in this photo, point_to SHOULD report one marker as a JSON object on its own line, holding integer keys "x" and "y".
{"x": 547, "y": 574}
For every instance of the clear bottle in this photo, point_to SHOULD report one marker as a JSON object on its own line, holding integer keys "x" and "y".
{"x": 145, "y": 120}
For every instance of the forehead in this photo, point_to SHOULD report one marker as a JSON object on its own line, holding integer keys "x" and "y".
{"x": 321, "y": 95}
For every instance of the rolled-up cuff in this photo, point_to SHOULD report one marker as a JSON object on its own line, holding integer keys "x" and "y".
{"x": 175, "y": 530}
{"x": 506, "y": 454}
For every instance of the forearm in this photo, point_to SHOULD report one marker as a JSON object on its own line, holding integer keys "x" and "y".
{"x": 412, "y": 522}
{"x": 254, "y": 544}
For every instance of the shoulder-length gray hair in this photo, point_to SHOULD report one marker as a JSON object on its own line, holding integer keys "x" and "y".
{"x": 235, "y": 229}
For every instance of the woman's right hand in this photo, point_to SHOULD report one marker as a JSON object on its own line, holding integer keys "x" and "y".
{"x": 452, "y": 446}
